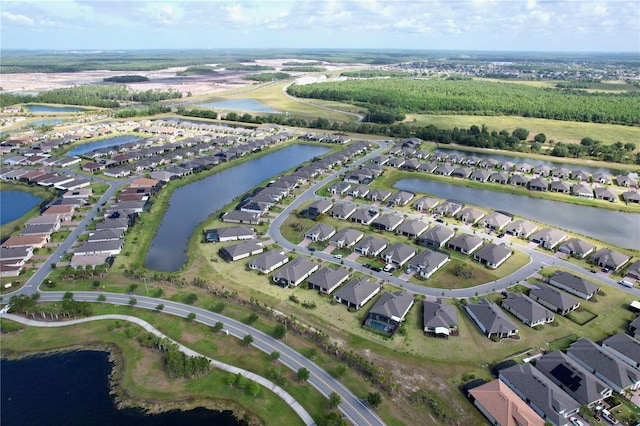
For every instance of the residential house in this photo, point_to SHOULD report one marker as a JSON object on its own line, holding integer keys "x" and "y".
{"x": 425, "y": 204}
{"x": 626, "y": 181}
{"x": 470, "y": 215}
{"x": 601, "y": 178}
{"x": 631, "y": 197}
{"x": 326, "y": 279}
{"x": 342, "y": 211}
{"x": 428, "y": 167}
{"x": 573, "y": 284}
{"x": 465, "y": 243}
{"x": 554, "y": 299}
{"x": 269, "y": 261}
{"x": 519, "y": 180}
{"x": 605, "y": 193}
{"x": 320, "y": 232}
{"x": 542, "y": 170}
{"x": 256, "y": 207}
{"x": 439, "y": 318}
{"x": 359, "y": 191}
{"x": 607, "y": 367}
{"x": 112, "y": 247}
{"x": 497, "y": 220}
{"x": 357, "y": 292}
{"x": 521, "y": 228}
{"x": 238, "y": 216}
{"x": 462, "y": 172}
{"x": 524, "y": 167}
{"x": 624, "y": 347}
{"x": 435, "y": 237}
{"x": 401, "y": 198}
{"x": 294, "y": 272}
{"x": 493, "y": 255}
{"x": 241, "y": 250}
{"x": 448, "y": 208}
{"x": 114, "y": 223}
{"x": 427, "y": 262}
{"x": 541, "y": 393}
{"x": 388, "y": 222}
{"x": 499, "y": 177}
{"x": 379, "y": 195}
{"x": 398, "y": 254}
{"x": 548, "y": 238}
{"x": 576, "y": 247}
{"x": 502, "y": 407}
{"x": 561, "y": 173}
{"x": 396, "y": 162}
{"x": 443, "y": 170}
{"x": 33, "y": 241}
{"x": 610, "y": 259}
{"x": 346, "y": 237}
{"x": 539, "y": 184}
{"x": 572, "y": 378}
{"x": 370, "y": 246}
{"x": 582, "y": 190}
{"x": 633, "y": 271}
{"x": 560, "y": 186}
{"x": 491, "y": 320}
{"x": 412, "y": 228}
{"x": 480, "y": 175}
{"x": 389, "y": 311}
{"x": 365, "y": 216}
{"x": 232, "y": 233}
{"x": 318, "y": 208}
{"x": 526, "y": 310}
{"x": 106, "y": 235}
{"x": 580, "y": 176}
{"x": 339, "y": 188}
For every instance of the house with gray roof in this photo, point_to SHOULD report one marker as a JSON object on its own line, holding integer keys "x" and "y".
{"x": 633, "y": 271}
{"x": 497, "y": 220}
{"x": 631, "y": 197}
{"x": 443, "y": 170}
{"x": 574, "y": 379}
{"x": 320, "y": 232}
{"x": 111, "y": 247}
{"x": 539, "y": 184}
{"x": 436, "y": 236}
{"x": 491, "y": 320}
{"x": 389, "y": 311}
{"x": 470, "y": 215}
{"x": 544, "y": 396}
{"x": 526, "y": 310}
{"x": 521, "y": 228}
{"x": 573, "y": 284}
{"x": 580, "y": 175}
{"x": 605, "y": 193}
{"x": 319, "y": 207}
{"x": 343, "y": 210}
{"x": 548, "y": 238}
{"x": 396, "y": 162}
{"x": 576, "y": 247}
{"x": 624, "y": 347}
{"x": 480, "y": 175}
{"x": 428, "y": 167}
{"x": 398, "y": 254}
{"x": 106, "y": 235}
{"x": 614, "y": 372}
{"x": 339, "y": 188}
{"x": 326, "y": 279}
{"x": 519, "y": 180}
{"x": 425, "y": 204}
{"x": 611, "y": 259}
{"x": 465, "y": 243}
{"x": 370, "y": 246}
{"x": 542, "y": 170}
{"x": 626, "y": 181}
{"x": 115, "y": 223}
{"x": 294, "y": 272}
{"x": 439, "y": 318}
{"x": 269, "y": 261}
{"x": 499, "y": 177}
{"x": 258, "y": 207}
{"x": 412, "y": 228}
{"x": 561, "y": 173}
{"x": 448, "y": 208}
{"x": 241, "y": 250}
{"x": 402, "y": 198}
{"x": 357, "y": 292}
{"x": 365, "y": 216}
{"x": 427, "y": 262}
{"x": 346, "y": 237}
{"x": 462, "y": 172}
{"x": 601, "y": 178}
{"x": 359, "y": 191}
{"x": 238, "y": 216}
{"x": 231, "y": 233}
{"x": 378, "y": 195}
{"x": 554, "y": 299}
{"x": 493, "y": 255}
{"x": 582, "y": 190}
{"x": 388, "y": 222}
{"x": 560, "y": 186}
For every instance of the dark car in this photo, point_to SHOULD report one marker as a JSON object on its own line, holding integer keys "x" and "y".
{"x": 311, "y": 249}
{"x": 500, "y": 235}
{"x": 440, "y": 220}
{"x": 376, "y": 269}
{"x": 366, "y": 265}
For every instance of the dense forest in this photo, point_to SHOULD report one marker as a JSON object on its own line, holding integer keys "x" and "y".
{"x": 267, "y": 76}
{"x": 478, "y": 98}
{"x": 126, "y": 79}
{"x": 197, "y": 70}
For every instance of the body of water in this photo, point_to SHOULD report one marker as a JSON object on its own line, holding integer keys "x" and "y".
{"x": 13, "y": 204}
{"x": 50, "y": 108}
{"x": 531, "y": 161}
{"x": 191, "y": 204}
{"x": 245, "y": 105}
{"x": 36, "y": 123}
{"x": 614, "y": 227}
{"x": 72, "y": 389}
{"x": 103, "y": 143}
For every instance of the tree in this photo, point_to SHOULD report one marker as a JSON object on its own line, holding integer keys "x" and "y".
{"x": 303, "y": 374}
{"x": 68, "y": 296}
{"x": 102, "y": 298}
{"x": 190, "y": 298}
{"x": 133, "y": 302}
{"x": 521, "y": 133}
{"x": 332, "y": 419}
{"x": 231, "y": 379}
{"x": 374, "y": 399}
{"x": 279, "y": 331}
{"x": 253, "y": 388}
{"x": 274, "y": 356}
{"x": 247, "y": 339}
{"x": 629, "y": 146}
{"x": 191, "y": 317}
{"x": 334, "y": 399}
{"x": 252, "y": 318}
{"x": 540, "y": 137}
{"x": 160, "y": 307}
{"x": 217, "y": 328}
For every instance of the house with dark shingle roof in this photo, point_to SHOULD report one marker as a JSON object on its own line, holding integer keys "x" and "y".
{"x": 360, "y": 191}
{"x": 499, "y": 177}
{"x": 501, "y": 406}
{"x": 436, "y": 237}
{"x": 497, "y": 220}
{"x": 425, "y": 203}
{"x": 631, "y": 197}
{"x": 241, "y": 250}
{"x": 543, "y": 395}
{"x": 624, "y": 347}
{"x": 238, "y": 216}
{"x": 470, "y": 215}
{"x": 573, "y": 284}
{"x": 443, "y": 170}
{"x": 231, "y": 233}
{"x": 554, "y": 299}
{"x": 521, "y": 228}
{"x": 379, "y": 195}
{"x": 548, "y": 238}
{"x": 480, "y": 175}
{"x": 346, "y": 237}
{"x": 493, "y": 255}
{"x": 526, "y": 310}
{"x": 607, "y": 258}
{"x": 342, "y": 210}
{"x": 574, "y": 379}
{"x": 365, "y": 216}
{"x": 412, "y": 228}
{"x": 427, "y": 262}
{"x": 626, "y": 181}
{"x": 389, "y": 311}
{"x": 401, "y": 198}
{"x": 326, "y": 279}
{"x": 448, "y": 208}
{"x": 582, "y": 190}
{"x": 491, "y": 320}
{"x": 357, "y": 292}
{"x": 294, "y": 272}
{"x": 388, "y": 222}
{"x": 633, "y": 271}
{"x": 320, "y": 232}
{"x": 607, "y": 367}
{"x": 560, "y": 186}
{"x": 465, "y": 243}
{"x": 606, "y": 193}
{"x": 269, "y": 261}
{"x": 576, "y": 247}
{"x": 539, "y": 184}
{"x": 319, "y": 207}
{"x": 398, "y": 254}
{"x": 439, "y": 318}
{"x": 370, "y": 246}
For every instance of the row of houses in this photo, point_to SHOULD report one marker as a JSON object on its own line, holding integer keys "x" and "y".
{"x": 43, "y": 177}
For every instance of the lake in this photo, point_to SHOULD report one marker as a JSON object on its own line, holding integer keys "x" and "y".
{"x": 14, "y": 204}
{"x": 245, "y": 105}
{"x": 614, "y": 227}
{"x": 103, "y": 143}
{"x": 72, "y": 389}
{"x": 50, "y": 108}
{"x": 191, "y": 204}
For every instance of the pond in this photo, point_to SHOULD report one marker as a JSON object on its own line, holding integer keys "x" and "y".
{"x": 72, "y": 389}
{"x": 193, "y": 203}
{"x": 245, "y": 105}
{"x": 103, "y": 143}
{"x": 35, "y": 108}
{"x": 609, "y": 226}
{"x": 14, "y": 204}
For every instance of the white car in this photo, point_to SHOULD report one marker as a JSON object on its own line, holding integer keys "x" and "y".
{"x": 576, "y": 422}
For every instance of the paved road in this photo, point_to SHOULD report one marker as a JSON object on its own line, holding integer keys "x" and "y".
{"x": 302, "y": 413}
{"x": 352, "y": 406}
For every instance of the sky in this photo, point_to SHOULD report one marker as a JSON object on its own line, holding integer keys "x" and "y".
{"x": 496, "y": 25}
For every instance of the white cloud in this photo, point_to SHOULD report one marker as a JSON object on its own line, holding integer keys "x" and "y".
{"x": 18, "y": 18}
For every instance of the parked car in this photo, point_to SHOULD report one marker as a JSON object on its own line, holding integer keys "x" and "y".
{"x": 337, "y": 256}
{"x": 626, "y": 283}
{"x": 376, "y": 269}
{"x": 367, "y": 265}
{"x": 388, "y": 267}
{"x": 609, "y": 417}
{"x": 576, "y": 422}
